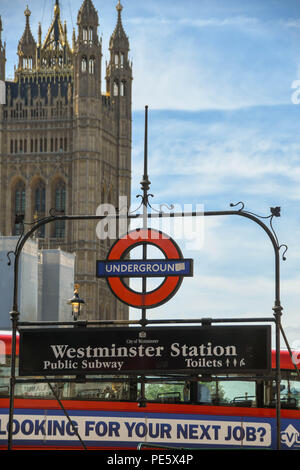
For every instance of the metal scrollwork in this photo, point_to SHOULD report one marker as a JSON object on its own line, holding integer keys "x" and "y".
{"x": 19, "y": 219}
{"x": 234, "y": 205}
{"x": 274, "y": 212}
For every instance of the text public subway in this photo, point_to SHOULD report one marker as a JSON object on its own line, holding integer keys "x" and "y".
{"x": 202, "y": 355}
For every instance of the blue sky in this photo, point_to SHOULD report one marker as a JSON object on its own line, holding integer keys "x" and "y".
{"x": 217, "y": 77}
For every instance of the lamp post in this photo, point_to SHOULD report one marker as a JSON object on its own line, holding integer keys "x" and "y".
{"x": 76, "y": 303}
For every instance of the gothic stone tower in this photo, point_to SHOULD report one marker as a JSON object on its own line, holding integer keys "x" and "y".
{"x": 66, "y": 145}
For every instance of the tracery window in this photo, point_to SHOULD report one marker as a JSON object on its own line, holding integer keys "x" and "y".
{"x": 40, "y": 199}
{"x": 40, "y": 205}
{"x": 83, "y": 64}
{"x": 122, "y": 88}
{"x": 116, "y": 88}
{"x": 84, "y": 34}
{"x": 92, "y": 65}
{"x": 60, "y": 206}
{"x": 19, "y": 199}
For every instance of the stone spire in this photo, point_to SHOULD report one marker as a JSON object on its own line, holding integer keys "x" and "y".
{"x": 2, "y": 54}
{"x": 27, "y": 39}
{"x": 1, "y": 29}
{"x": 27, "y": 45}
{"x": 55, "y": 50}
{"x": 87, "y": 14}
{"x": 119, "y": 39}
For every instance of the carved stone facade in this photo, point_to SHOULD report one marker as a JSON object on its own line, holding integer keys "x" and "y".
{"x": 64, "y": 144}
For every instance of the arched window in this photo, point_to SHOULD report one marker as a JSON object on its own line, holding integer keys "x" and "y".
{"x": 40, "y": 199}
{"x": 27, "y": 62}
{"x": 60, "y": 196}
{"x": 90, "y": 34}
{"x": 92, "y": 65}
{"x": 83, "y": 64}
{"x": 40, "y": 206}
{"x": 123, "y": 88}
{"x": 116, "y": 88}
{"x": 19, "y": 197}
{"x": 60, "y": 206}
{"x": 116, "y": 58}
{"x": 85, "y": 34}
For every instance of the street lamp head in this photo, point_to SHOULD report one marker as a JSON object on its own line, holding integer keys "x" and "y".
{"x": 76, "y": 302}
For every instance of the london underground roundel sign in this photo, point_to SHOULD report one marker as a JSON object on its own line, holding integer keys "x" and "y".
{"x": 173, "y": 268}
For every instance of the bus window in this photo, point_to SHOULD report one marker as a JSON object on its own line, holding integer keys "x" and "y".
{"x": 289, "y": 391}
{"x": 172, "y": 392}
{"x": 100, "y": 391}
{"x": 215, "y": 392}
{"x": 234, "y": 393}
{"x": 4, "y": 378}
{"x": 34, "y": 390}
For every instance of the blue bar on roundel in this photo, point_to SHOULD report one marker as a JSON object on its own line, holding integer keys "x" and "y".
{"x": 148, "y": 268}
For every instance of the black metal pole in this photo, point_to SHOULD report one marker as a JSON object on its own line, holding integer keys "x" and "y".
{"x": 145, "y": 184}
{"x": 14, "y": 319}
{"x": 203, "y": 320}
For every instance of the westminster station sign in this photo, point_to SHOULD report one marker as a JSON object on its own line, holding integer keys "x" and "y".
{"x": 206, "y": 349}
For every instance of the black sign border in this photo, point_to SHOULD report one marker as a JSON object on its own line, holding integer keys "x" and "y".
{"x": 153, "y": 372}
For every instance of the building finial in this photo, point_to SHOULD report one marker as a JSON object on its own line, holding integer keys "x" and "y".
{"x": 40, "y": 35}
{"x": 56, "y": 7}
{"x": 27, "y": 13}
{"x": 118, "y": 38}
{"x": 27, "y": 37}
{"x": 73, "y": 39}
{"x": 119, "y": 7}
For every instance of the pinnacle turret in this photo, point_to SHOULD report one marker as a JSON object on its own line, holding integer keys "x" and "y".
{"x": 87, "y": 14}
{"x": 119, "y": 39}
{"x": 27, "y": 45}
{"x": 27, "y": 39}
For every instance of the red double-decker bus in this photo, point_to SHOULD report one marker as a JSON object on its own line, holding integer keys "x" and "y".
{"x": 212, "y": 412}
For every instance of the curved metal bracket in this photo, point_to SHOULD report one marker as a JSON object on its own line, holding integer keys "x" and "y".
{"x": 274, "y": 212}
{"x": 34, "y": 225}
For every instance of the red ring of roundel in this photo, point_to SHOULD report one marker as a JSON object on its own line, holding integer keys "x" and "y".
{"x": 169, "y": 286}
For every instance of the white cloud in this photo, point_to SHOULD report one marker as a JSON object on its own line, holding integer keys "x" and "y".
{"x": 212, "y": 159}
{"x": 218, "y": 297}
{"x": 178, "y": 64}
{"x": 196, "y": 22}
